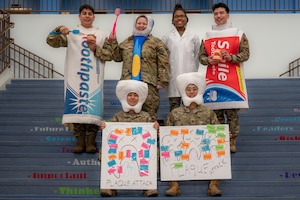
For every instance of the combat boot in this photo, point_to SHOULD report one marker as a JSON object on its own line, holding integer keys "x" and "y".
{"x": 108, "y": 193}
{"x": 80, "y": 144}
{"x": 173, "y": 190}
{"x": 90, "y": 143}
{"x": 233, "y": 144}
{"x": 213, "y": 189}
{"x": 150, "y": 193}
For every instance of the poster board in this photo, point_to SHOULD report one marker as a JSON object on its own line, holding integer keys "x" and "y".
{"x": 195, "y": 152}
{"x": 129, "y": 156}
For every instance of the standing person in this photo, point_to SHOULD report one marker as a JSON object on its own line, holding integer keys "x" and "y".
{"x": 224, "y": 49}
{"x": 132, "y": 95}
{"x": 184, "y": 48}
{"x": 145, "y": 58}
{"x": 191, "y": 87}
{"x": 83, "y": 77}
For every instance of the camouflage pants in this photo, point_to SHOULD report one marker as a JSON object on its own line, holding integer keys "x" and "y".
{"x": 230, "y": 117}
{"x": 151, "y": 104}
{"x": 85, "y": 129}
{"x": 174, "y": 102}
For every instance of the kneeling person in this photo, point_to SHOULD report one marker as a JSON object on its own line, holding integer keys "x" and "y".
{"x": 191, "y": 87}
{"x": 132, "y": 95}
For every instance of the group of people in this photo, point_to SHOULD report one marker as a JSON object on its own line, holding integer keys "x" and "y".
{"x": 148, "y": 65}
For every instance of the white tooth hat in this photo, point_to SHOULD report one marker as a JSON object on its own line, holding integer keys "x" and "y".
{"x": 196, "y": 78}
{"x": 124, "y": 87}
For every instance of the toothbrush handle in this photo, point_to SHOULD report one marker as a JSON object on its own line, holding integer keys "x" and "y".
{"x": 55, "y": 33}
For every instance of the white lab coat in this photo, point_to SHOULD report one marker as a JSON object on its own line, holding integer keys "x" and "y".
{"x": 183, "y": 56}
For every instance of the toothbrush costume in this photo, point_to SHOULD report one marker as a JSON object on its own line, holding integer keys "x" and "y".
{"x": 145, "y": 58}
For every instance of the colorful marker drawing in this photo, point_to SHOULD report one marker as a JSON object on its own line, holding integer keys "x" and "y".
{"x": 195, "y": 152}
{"x": 129, "y": 156}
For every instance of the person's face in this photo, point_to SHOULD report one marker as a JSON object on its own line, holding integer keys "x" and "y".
{"x": 220, "y": 16}
{"x": 179, "y": 19}
{"x": 141, "y": 24}
{"x": 86, "y": 18}
{"x": 132, "y": 98}
{"x": 191, "y": 90}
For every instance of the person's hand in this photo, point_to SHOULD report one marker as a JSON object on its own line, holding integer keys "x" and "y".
{"x": 91, "y": 42}
{"x": 226, "y": 56}
{"x": 156, "y": 125}
{"x": 159, "y": 87}
{"x": 64, "y": 30}
{"x": 103, "y": 125}
{"x": 112, "y": 37}
{"x": 212, "y": 61}
{"x": 93, "y": 47}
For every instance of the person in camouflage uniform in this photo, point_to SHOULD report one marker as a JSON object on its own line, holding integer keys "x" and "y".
{"x": 132, "y": 94}
{"x": 191, "y": 87}
{"x": 155, "y": 67}
{"x": 230, "y": 116}
{"x": 85, "y": 129}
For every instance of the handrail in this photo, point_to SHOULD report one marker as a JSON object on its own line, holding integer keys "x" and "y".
{"x": 22, "y": 62}
{"x": 5, "y": 40}
{"x": 26, "y": 64}
{"x": 294, "y": 69}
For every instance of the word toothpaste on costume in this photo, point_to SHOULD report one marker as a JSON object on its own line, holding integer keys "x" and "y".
{"x": 85, "y": 78}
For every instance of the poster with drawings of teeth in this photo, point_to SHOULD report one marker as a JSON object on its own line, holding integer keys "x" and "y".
{"x": 129, "y": 156}
{"x": 195, "y": 152}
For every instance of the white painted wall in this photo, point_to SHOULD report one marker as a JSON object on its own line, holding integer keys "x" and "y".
{"x": 274, "y": 38}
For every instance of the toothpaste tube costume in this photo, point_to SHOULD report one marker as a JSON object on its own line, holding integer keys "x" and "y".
{"x": 84, "y": 76}
{"x": 226, "y": 87}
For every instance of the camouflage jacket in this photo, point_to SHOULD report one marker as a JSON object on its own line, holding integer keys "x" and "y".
{"x": 59, "y": 40}
{"x": 185, "y": 116}
{"x": 154, "y": 60}
{"x": 131, "y": 117}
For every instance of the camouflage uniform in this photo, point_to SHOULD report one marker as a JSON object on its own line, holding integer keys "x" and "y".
{"x": 131, "y": 117}
{"x": 60, "y": 40}
{"x": 231, "y": 114}
{"x": 154, "y": 65}
{"x": 174, "y": 102}
{"x": 185, "y": 116}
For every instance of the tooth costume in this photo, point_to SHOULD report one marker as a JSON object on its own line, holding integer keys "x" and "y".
{"x": 124, "y": 87}
{"x": 131, "y": 113}
{"x": 184, "y": 115}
